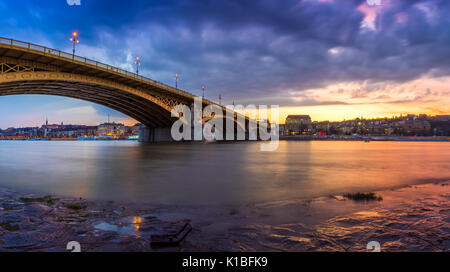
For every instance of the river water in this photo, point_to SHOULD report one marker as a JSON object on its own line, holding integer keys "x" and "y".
{"x": 217, "y": 173}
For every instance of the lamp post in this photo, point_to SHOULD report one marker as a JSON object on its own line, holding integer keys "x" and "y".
{"x": 138, "y": 63}
{"x": 176, "y": 80}
{"x": 203, "y": 91}
{"x": 220, "y": 99}
{"x": 75, "y": 40}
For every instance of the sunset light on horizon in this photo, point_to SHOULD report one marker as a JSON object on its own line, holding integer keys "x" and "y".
{"x": 375, "y": 61}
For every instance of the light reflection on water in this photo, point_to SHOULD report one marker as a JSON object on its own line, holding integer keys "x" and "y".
{"x": 231, "y": 173}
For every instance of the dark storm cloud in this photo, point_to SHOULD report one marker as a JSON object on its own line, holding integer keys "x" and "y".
{"x": 250, "y": 49}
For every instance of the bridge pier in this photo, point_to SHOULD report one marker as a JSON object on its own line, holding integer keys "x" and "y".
{"x": 154, "y": 135}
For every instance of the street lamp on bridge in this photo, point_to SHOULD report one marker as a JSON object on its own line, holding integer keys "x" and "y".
{"x": 203, "y": 91}
{"x": 138, "y": 63}
{"x": 176, "y": 80}
{"x": 75, "y": 40}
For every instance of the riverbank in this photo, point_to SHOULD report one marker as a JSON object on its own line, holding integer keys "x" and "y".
{"x": 67, "y": 139}
{"x": 366, "y": 138}
{"x": 284, "y": 138}
{"x": 414, "y": 218}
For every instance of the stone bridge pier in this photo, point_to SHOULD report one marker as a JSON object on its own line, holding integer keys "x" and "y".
{"x": 154, "y": 135}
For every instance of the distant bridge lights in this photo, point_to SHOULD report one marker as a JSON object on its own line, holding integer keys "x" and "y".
{"x": 138, "y": 63}
{"x": 75, "y": 40}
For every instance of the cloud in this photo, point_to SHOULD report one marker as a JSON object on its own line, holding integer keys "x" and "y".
{"x": 256, "y": 51}
{"x": 243, "y": 49}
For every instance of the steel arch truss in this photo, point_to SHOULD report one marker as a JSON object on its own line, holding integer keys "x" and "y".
{"x": 151, "y": 109}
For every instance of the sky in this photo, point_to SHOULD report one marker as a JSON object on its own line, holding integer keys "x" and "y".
{"x": 331, "y": 59}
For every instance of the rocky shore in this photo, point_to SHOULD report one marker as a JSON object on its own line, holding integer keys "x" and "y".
{"x": 46, "y": 223}
{"x": 415, "y": 218}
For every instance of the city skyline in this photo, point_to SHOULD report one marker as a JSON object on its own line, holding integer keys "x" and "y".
{"x": 132, "y": 122}
{"x": 295, "y": 125}
{"x": 358, "y": 62}
{"x": 48, "y": 122}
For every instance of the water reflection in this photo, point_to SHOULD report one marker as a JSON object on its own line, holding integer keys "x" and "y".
{"x": 137, "y": 223}
{"x": 217, "y": 173}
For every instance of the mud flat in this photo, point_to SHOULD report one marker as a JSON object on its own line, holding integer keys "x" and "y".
{"x": 415, "y": 218}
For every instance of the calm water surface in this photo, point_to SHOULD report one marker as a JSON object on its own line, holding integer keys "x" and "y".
{"x": 225, "y": 173}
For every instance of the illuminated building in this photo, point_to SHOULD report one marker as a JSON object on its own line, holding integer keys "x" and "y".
{"x": 114, "y": 130}
{"x": 298, "y": 124}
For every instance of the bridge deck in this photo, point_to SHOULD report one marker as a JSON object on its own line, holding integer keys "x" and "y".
{"x": 64, "y": 62}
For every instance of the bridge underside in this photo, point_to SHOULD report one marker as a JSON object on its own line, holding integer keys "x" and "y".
{"x": 157, "y": 119}
{"x": 138, "y": 108}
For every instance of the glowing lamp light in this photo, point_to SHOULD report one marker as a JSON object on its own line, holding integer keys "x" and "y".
{"x": 75, "y": 40}
{"x": 176, "y": 80}
{"x": 138, "y": 63}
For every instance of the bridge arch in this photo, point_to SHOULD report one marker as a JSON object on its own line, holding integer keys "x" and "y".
{"x": 137, "y": 104}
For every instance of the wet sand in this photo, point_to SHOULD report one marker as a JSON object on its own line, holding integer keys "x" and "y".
{"x": 413, "y": 218}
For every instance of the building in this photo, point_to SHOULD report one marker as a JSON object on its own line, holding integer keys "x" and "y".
{"x": 66, "y": 131}
{"x": 321, "y": 128}
{"x": 113, "y": 130}
{"x": 282, "y": 129}
{"x": 298, "y": 124}
{"x": 413, "y": 128}
{"x": 134, "y": 130}
{"x": 442, "y": 118}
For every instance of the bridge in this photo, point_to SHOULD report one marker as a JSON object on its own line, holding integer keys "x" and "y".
{"x": 27, "y": 68}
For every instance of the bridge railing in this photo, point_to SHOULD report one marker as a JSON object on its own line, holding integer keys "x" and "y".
{"x": 74, "y": 58}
